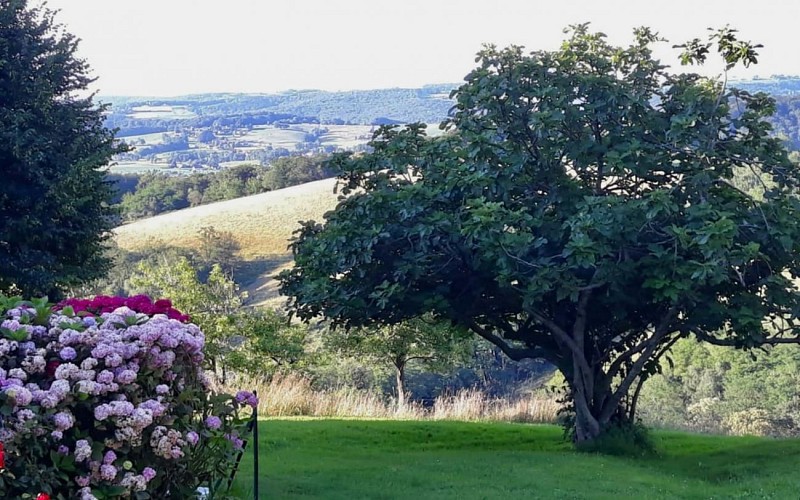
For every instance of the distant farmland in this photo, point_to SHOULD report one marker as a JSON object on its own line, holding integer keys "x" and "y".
{"x": 240, "y": 143}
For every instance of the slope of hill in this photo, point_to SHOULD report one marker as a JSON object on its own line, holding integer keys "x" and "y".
{"x": 262, "y": 224}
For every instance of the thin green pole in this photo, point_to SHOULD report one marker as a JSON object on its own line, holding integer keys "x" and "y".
{"x": 255, "y": 449}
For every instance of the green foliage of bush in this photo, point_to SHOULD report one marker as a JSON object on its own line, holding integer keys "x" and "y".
{"x": 622, "y": 440}
{"x": 718, "y": 389}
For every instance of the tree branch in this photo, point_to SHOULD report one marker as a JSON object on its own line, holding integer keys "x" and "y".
{"x": 514, "y": 353}
{"x": 733, "y": 343}
{"x": 663, "y": 328}
{"x": 564, "y": 337}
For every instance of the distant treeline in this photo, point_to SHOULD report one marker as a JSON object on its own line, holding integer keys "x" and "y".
{"x": 149, "y": 194}
{"x": 429, "y": 104}
{"x": 129, "y": 126}
{"x": 786, "y": 121}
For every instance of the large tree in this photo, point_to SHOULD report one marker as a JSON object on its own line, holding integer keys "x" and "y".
{"x": 54, "y": 203}
{"x": 580, "y": 209}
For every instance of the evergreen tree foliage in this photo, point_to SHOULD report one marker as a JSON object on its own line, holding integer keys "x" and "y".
{"x": 54, "y": 203}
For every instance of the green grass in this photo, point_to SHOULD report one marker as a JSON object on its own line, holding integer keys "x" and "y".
{"x": 358, "y": 459}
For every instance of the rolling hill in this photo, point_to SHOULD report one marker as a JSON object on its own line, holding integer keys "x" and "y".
{"x": 262, "y": 224}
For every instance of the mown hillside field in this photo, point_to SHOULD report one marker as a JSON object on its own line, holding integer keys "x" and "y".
{"x": 262, "y": 225}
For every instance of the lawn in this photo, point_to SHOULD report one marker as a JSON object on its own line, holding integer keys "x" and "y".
{"x": 361, "y": 459}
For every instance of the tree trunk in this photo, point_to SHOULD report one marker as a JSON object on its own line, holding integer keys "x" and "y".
{"x": 586, "y": 424}
{"x": 400, "y": 381}
{"x": 596, "y": 409}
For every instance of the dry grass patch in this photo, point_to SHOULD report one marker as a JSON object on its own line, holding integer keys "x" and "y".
{"x": 262, "y": 224}
{"x": 472, "y": 404}
{"x": 293, "y": 395}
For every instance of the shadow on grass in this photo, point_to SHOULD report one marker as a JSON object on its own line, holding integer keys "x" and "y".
{"x": 248, "y": 271}
{"x": 718, "y": 459}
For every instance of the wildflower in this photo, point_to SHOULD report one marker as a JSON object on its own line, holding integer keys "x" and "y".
{"x": 148, "y": 474}
{"x": 20, "y": 395}
{"x": 63, "y": 420}
{"x": 50, "y": 369}
{"x": 213, "y": 422}
{"x": 238, "y": 444}
{"x": 247, "y": 398}
{"x": 192, "y": 437}
{"x": 82, "y": 450}
{"x": 108, "y": 472}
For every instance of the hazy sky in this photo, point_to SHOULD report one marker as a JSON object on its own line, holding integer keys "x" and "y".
{"x": 171, "y": 47}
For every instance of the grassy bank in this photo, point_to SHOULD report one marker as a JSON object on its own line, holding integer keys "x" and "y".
{"x": 384, "y": 459}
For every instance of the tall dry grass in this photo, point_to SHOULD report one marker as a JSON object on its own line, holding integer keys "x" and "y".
{"x": 293, "y": 395}
{"x": 472, "y": 404}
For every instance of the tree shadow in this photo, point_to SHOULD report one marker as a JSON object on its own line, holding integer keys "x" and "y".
{"x": 716, "y": 459}
{"x": 257, "y": 277}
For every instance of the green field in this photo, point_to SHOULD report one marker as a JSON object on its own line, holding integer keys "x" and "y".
{"x": 341, "y": 136}
{"x": 163, "y": 112}
{"x": 149, "y": 139}
{"x": 137, "y": 167}
{"x": 357, "y": 459}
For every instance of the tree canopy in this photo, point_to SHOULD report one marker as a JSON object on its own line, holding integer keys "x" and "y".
{"x": 580, "y": 208}
{"x": 54, "y": 202}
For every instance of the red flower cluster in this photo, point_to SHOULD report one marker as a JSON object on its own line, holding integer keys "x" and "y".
{"x": 139, "y": 303}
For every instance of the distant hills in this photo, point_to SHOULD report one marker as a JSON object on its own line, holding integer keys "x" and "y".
{"x": 262, "y": 224}
{"x": 777, "y": 85}
{"x": 212, "y": 131}
{"x": 429, "y": 104}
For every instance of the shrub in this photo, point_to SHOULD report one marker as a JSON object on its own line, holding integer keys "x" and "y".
{"x": 705, "y": 415}
{"x": 110, "y": 404}
{"x": 757, "y": 422}
{"x": 622, "y": 439}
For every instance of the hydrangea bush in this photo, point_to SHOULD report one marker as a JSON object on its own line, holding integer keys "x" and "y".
{"x": 107, "y": 398}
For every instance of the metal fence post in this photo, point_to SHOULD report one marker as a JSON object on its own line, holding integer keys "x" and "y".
{"x": 255, "y": 449}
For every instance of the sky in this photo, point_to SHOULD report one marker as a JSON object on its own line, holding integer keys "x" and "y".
{"x": 178, "y": 47}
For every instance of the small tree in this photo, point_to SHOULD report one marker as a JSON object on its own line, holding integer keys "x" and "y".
{"x": 54, "y": 202}
{"x": 218, "y": 247}
{"x": 580, "y": 209}
{"x": 212, "y": 304}
{"x": 269, "y": 343}
{"x": 435, "y": 345}
{"x": 294, "y": 170}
